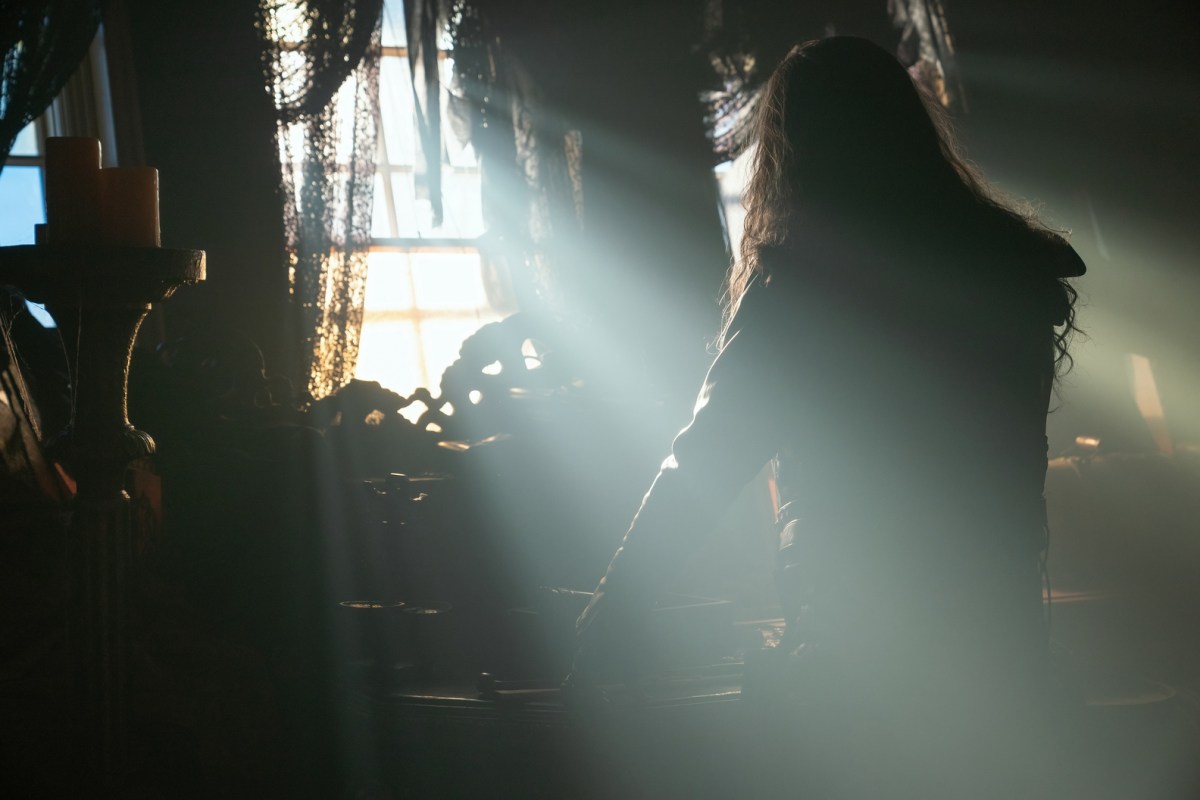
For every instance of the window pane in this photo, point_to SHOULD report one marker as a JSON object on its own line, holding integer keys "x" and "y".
{"x": 39, "y": 312}
{"x": 442, "y": 339}
{"x": 448, "y": 281}
{"x": 393, "y": 24}
{"x": 381, "y": 221}
{"x": 389, "y": 282}
{"x": 27, "y": 142}
{"x": 462, "y": 210}
{"x": 462, "y": 214}
{"x": 345, "y": 99}
{"x": 21, "y": 205}
{"x": 405, "y": 194}
{"x": 442, "y": 300}
{"x": 388, "y": 352}
{"x": 396, "y": 111}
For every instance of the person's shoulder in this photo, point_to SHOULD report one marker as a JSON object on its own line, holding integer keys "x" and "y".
{"x": 1038, "y": 251}
{"x": 1037, "y": 265}
{"x": 1051, "y": 251}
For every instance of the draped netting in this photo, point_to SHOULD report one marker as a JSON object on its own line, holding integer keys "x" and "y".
{"x": 531, "y": 157}
{"x": 927, "y": 48}
{"x": 531, "y": 160}
{"x": 43, "y": 42}
{"x": 746, "y": 40}
{"x": 321, "y": 62}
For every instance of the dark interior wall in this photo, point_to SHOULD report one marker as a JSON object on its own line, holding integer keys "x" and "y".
{"x": 1094, "y": 113}
{"x": 209, "y": 127}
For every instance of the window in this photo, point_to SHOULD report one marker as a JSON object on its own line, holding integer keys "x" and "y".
{"x": 425, "y": 289}
{"x": 22, "y": 201}
{"x": 22, "y": 186}
{"x": 21, "y": 189}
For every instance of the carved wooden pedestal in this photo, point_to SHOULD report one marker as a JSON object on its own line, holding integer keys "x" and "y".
{"x": 99, "y": 297}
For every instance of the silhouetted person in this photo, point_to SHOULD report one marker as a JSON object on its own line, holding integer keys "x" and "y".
{"x": 893, "y": 332}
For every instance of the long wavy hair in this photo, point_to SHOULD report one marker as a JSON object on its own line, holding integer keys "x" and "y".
{"x": 844, "y": 132}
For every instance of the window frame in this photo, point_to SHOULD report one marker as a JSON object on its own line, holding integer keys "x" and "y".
{"x": 386, "y": 169}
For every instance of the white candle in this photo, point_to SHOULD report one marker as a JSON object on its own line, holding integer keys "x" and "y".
{"x": 73, "y": 190}
{"x": 129, "y": 207}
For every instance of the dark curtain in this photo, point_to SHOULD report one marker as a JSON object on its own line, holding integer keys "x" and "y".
{"x": 423, "y": 20}
{"x": 321, "y": 62}
{"x": 43, "y": 42}
{"x": 531, "y": 163}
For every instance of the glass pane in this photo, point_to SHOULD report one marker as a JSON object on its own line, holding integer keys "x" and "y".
{"x": 27, "y": 142}
{"x": 388, "y": 352}
{"x": 396, "y": 110}
{"x": 346, "y": 98}
{"x": 441, "y": 340}
{"x": 462, "y": 214}
{"x": 381, "y": 221}
{"x": 389, "y": 282}
{"x": 394, "y": 34}
{"x": 462, "y": 208}
{"x": 404, "y": 192}
{"x": 21, "y": 204}
{"x": 448, "y": 281}
{"x": 39, "y": 312}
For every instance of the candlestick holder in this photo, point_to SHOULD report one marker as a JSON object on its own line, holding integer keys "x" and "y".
{"x": 99, "y": 297}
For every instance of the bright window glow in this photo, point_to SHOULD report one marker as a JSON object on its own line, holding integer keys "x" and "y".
{"x": 420, "y": 306}
{"x": 390, "y": 352}
{"x": 27, "y": 142}
{"x": 396, "y": 104}
{"x": 21, "y": 204}
{"x": 423, "y": 298}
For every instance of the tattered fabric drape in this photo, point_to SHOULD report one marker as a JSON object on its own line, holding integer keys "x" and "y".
{"x": 321, "y": 61}
{"x": 43, "y": 42}
{"x": 531, "y": 164}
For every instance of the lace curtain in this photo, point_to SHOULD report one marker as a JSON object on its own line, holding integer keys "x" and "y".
{"x": 43, "y": 42}
{"x": 531, "y": 162}
{"x": 321, "y": 63}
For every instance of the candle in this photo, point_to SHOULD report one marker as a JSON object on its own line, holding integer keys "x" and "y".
{"x": 72, "y": 189}
{"x": 129, "y": 206}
